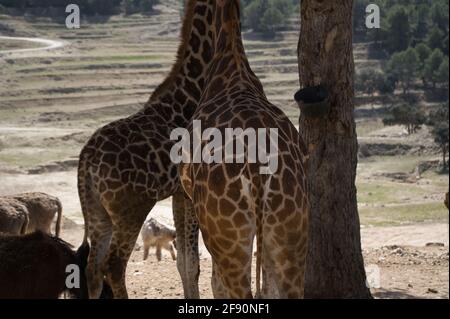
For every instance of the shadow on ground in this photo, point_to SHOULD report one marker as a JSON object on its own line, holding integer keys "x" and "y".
{"x": 392, "y": 294}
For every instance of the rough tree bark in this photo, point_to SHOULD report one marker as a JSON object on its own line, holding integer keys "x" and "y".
{"x": 335, "y": 264}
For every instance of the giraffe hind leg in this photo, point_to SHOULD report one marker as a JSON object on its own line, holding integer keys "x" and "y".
{"x": 232, "y": 271}
{"x": 100, "y": 231}
{"x": 218, "y": 289}
{"x": 286, "y": 260}
{"x": 269, "y": 279}
{"x": 122, "y": 244}
{"x": 232, "y": 261}
{"x": 127, "y": 224}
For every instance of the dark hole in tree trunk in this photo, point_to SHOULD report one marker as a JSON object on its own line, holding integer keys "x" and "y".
{"x": 313, "y": 101}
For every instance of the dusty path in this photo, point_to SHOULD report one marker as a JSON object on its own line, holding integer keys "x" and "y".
{"x": 410, "y": 235}
{"x": 417, "y": 235}
{"x": 47, "y": 44}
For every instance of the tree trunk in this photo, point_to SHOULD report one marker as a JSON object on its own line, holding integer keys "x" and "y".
{"x": 335, "y": 266}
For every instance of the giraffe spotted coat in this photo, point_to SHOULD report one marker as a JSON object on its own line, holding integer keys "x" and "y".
{"x": 125, "y": 167}
{"x": 234, "y": 203}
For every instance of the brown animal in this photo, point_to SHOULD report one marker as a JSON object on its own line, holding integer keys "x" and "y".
{"x": 155, "y": 234}
{"x": 13, "y": 217}
{"x": 33, "y": 266}
{"x": 39, "y": 207}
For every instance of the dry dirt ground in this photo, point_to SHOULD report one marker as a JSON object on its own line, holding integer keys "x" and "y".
{"x": 51, "y": 101}
{"x": 416, "y": 267}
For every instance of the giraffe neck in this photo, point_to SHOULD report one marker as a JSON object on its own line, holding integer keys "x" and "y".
{"x": 182, "y": 88}
{"x": 229, "y": 65}
{"x": 228, "y": 37}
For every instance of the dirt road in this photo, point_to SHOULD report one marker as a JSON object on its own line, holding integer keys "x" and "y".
{"x": 47, "y": 44}
{"x": 410, "y": 235}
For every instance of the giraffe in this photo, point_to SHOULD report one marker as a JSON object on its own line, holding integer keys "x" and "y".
{"x": 233, "y": 202}
{"x": 125, "y": 168}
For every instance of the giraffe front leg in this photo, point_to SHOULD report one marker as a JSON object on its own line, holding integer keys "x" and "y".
{"x": 188, "y": 260}
{"x": 178, "y": 218}
{"x": 192, "y": 250}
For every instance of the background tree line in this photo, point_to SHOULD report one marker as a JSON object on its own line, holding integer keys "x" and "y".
{"x": 413, "y": 38}
{"x": 413, "y": 43}
{"x": 266, "y": 16}
{"x": 88, "y": 7}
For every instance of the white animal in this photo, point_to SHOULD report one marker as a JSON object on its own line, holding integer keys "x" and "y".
{"x": 155, "y": 234}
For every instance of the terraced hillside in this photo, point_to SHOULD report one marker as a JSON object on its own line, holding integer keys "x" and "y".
{"x": 52, "y": 100}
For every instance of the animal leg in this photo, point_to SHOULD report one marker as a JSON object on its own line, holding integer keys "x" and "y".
{"x": 146, "y": 249}
{"x": 172, "y": 252}
{"x": 169, "y": 247}
{"x": 95, "y": 268}
{"x": 219, "y": 291}
{"x": 158, "y": 252}
{"x": 127, "y": 222}
{"x": 231, "y": 262}
{"x": 188, "y": 260}
{"x": 269, "y": 284}
{"x": 99, "y": 231}
{"x": 288, "y": 255}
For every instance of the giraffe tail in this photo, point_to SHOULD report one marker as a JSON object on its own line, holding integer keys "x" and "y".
{"x": 259, "y": 240}
{"x": 58, "y": 218}
{"x": 261, "y": 209}
{"x": 82, "y": 172}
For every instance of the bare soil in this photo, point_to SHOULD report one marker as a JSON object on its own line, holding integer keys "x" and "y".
{"x": 410, "y": 269}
